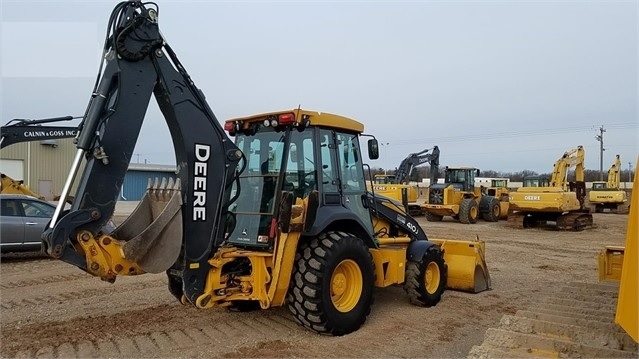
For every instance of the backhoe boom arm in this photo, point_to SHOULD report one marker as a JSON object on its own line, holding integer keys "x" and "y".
{"x": 138, "y": 63}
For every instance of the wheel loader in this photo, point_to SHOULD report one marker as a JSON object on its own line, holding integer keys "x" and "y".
{"x": 459, "y": 198}
{"x": 268, "y": 210}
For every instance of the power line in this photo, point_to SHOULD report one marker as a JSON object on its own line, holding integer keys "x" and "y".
{"x": 501, "y": 135}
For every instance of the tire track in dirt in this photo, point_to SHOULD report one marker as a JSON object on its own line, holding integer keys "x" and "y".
{"x": 67, "y": 296}
{"x": 44, "y": 280}
{"x": 172, "y": 330}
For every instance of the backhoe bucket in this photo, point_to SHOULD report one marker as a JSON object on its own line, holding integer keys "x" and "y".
{"x": 466, "y": 261}
{"x": 153, "y": 232}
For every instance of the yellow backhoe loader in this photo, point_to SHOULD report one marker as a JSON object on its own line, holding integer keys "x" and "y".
{"x": 558, "y": 201}
{"x": 609, "y": 195}
{"x": 278, "y": 216}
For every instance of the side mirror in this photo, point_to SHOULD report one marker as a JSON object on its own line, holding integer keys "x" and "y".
{"x": 477, "y": 173}
{"x": 373, "y": 149}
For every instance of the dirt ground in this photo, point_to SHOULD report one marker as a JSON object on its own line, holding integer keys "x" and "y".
{"x": 52, "y": 309}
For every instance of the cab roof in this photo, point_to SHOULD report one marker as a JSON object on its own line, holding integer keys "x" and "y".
{"x": 460, "y": 168}
{"x": 316, "y": 118}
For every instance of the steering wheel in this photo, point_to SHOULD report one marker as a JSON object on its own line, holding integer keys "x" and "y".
{"x": 309, "y": 183}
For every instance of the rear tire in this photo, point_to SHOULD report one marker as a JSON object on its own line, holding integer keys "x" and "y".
{"x": 431, "y": 217}
{"x": 426, "y": 279}
{"x": 494, "y": 211}
{"x": 331, "y": 289}
{"x": 468, "y": 211}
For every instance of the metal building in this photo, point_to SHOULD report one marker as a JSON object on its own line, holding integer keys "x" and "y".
{"x": 138, "y": 175}
{"x": 44, "y": 167}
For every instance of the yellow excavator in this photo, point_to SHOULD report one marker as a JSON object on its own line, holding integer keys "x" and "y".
{"x": 558, "y": 200}
{"x": 396, "y": 186}
{"x": 269, "y": 210}
{"x": 11, "y": 186}
{"x": 608, "y": 195}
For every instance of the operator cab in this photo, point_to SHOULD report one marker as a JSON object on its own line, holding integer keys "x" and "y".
{"x": 536, "y": 182}
{"x": 462, "y": 178}
{"x": 292, "y": 157}
{"x": 598, "y": 186}
{"x": 385, "y": 179}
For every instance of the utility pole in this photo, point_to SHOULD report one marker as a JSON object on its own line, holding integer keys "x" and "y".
{"x": 599, "y": 138}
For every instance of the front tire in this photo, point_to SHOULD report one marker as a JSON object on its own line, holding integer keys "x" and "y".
{"x": 331, "y": 289}
{"x": 468, "y": 211}
{"x": 431, "y": 217}
{"x": 426, "y": 279}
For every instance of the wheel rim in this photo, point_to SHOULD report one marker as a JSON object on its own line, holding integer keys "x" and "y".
{"x": 432, "y": 277}
{"x": 496, "y": 211}
{"x": 347, "y": 283}
{"x": 473, "y": 212}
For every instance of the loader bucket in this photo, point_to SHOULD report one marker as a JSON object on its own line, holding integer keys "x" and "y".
{"x": 153, "y": 231}
{"x": 466, "y": 261}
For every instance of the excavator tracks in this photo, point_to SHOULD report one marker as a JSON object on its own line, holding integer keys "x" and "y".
{"x": 575, "y": 221}
{"x": 575, "y": 322}
{"x": 572, "y": 221}
{"x": 516, "y": 220}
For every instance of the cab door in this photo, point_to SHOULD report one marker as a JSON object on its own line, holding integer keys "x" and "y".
{"x": 353, "y": 183}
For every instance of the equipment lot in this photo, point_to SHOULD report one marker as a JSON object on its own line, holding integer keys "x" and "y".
{"x": 52, "y": 309}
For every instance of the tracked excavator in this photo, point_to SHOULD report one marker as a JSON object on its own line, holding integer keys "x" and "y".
{"x": 396, "y": 186}
{"x": 609, "y": 195}
{"x": 268, "y": 210}
{"x": 24, "y": 130}
{"x": 560, "y": 201}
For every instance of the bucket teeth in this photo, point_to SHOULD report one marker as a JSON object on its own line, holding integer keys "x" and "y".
{"x": 153, "y": 232}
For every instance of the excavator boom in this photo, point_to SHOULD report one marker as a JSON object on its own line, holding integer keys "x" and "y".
{"x": 408, "y": 164}
{"x": 614, "y": 179}
{"x": 396, "y": 186}
{"x": 20, "y": 130}
{"x": 573, "y": 158}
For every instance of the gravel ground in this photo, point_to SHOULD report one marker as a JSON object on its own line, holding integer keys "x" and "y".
{"x": 52, "y": 309}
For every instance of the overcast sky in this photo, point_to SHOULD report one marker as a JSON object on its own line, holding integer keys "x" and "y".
{"x": 501, "y": 85}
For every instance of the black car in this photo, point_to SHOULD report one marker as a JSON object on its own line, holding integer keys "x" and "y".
{"x": 23, "y": 219}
